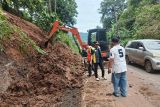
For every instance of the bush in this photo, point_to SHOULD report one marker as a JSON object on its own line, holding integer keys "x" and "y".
{"x": 141, "y": 20}
{"x": 68, "y": 40}
{"x": 45, "y": 20}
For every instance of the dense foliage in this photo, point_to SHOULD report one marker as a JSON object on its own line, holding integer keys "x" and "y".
{"x": 141, "y": 19}
{"x": 111, "y": 10}
{"x": 43, "y": 12}
{"x": 68, "y": 40}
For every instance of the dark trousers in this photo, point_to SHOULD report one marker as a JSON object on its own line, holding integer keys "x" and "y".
{"x": 89, "y": 69}
{"x": 96, "y": 69}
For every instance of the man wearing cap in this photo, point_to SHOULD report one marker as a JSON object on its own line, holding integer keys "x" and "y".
{"x": 90, "y": 52}
{"x": 98, "y": 61}
{"x": 118, "y": 63}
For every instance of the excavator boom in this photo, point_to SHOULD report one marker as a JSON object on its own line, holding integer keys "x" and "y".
{"x": 56, "y": 26}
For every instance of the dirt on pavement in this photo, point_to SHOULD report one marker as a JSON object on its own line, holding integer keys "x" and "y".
{"x": 35, "y": 79}
{"x": 141, "y": 93}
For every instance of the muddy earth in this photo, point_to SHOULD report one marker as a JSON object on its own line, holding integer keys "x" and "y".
{"x": 143, "y": 90}
{"x": 32, "y": 79}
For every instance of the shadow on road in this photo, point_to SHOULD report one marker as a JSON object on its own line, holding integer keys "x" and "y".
{"x": 142, "y": 68}
{"x": 109, "y": 94}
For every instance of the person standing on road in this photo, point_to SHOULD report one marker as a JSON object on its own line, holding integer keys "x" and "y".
{"x": 118, "y": 63}
{"x": 90, "y": 52}
{"x": 98, "y": 61}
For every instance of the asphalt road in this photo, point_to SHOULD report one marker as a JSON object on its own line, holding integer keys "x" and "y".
{"x": 152, "y": 78}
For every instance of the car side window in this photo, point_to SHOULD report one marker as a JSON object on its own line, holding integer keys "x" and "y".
{"x": 139, "y": 45}
{"x": 133, "y": 45}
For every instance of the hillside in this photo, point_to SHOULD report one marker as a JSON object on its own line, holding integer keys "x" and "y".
{"x": 31, "y": 76}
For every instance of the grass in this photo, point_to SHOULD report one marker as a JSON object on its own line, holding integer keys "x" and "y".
{"x": 6, "y": 31}
{"x": 26, "y": 42}
{"x": 68, "y": 40}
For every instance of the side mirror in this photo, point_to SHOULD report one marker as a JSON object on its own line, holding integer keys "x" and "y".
{"x": 141, "y": 48}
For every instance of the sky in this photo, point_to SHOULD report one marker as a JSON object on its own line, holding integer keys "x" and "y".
{"x": 88, "y": 15}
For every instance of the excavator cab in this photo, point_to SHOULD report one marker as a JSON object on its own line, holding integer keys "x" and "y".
{"x": 100, "y": 36}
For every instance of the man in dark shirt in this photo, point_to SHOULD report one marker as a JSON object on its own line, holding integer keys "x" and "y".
{"x": 98, "y": 61}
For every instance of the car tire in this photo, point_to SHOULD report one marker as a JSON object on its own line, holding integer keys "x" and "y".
{"x": 127, "y": 60}
{"x": 148, "y": 67}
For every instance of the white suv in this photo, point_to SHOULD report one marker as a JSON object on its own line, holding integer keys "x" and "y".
{"x": 145, "y": 52}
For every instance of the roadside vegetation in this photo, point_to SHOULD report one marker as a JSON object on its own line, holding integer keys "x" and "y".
{"x": 5, "y": 30}
{"x": 42, "y": 12}
{"x": 68, "y": 40}
{"x": 138, "y": 19}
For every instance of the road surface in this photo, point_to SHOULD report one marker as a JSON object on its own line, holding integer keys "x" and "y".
{"x": 152, "y": 78}
{"x": 143, "y": 90}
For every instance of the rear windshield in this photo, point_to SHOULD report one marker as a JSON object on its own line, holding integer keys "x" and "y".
{"x": 152, "y": 45}
{"x": 102, "y": 36}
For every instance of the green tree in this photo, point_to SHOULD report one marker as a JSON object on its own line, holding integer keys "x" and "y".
{"x": 42, "y": 10}
{"x": 66, "y": 11}
{"x": 110, "y": 10}
{"x": 140, "y": 20}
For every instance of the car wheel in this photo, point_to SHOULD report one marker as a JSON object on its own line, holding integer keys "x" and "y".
{"x": 127, "y": 60}
{"x": 148, "y": 67}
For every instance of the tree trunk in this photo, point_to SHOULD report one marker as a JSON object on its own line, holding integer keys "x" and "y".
{"x": 49, "y": 6}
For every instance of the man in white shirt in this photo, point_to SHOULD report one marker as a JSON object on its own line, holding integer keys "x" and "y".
{"x": 118, "y": 63}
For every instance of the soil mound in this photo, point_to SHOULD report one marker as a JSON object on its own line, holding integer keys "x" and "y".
{"x": 37, "y": 80}
{"x": 32, "y": 30}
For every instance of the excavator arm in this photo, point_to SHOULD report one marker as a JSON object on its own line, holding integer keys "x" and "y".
{"x": 56, "y": 26}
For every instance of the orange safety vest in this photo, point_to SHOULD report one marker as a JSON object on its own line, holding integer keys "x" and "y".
{"x": 89, "y": 57}
{"x": 89, "y": 54}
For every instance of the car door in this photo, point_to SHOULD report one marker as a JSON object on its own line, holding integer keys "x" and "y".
{"x": 140, "y": 54}
{"x": 132, "y": 51}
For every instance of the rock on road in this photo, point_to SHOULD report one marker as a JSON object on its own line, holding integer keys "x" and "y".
{"x": 143, "y": 90}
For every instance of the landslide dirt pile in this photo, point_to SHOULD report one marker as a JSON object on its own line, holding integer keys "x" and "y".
{"x": 43, "y": 79}
{"x": 36, "y": 79}
{"x": 32, "y": 30}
